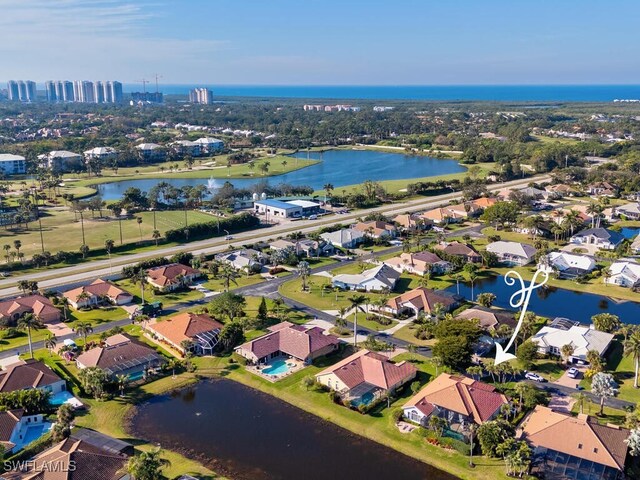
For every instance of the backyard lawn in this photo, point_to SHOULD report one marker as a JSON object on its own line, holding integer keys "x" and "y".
{"x": 167, "y": 299}
{"x": 406, "y": 333}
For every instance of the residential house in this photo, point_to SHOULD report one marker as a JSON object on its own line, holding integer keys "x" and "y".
{"x": 457, "y": 249}
{"x": 61, "y": 160}
{"x": 187, "y": 147}
{"x": 629, "y": 210}
{"x": 419, "y": 263}
{"x": 460, "y": 400}
{"x": 484, "y": 202}
{"x": 151, "y": 152}
{"x": 344, "y": 238}
{"x": 109, "y": 444}
{"x": 13, "y": 309}
{"x": 298, "y": 341}
{"x": 567, "y": 265}
{"x": 14, "y": 426}
{"x": 365, "y": 376}
{"x": 31, "y": 374}
{"x": 305, "y": 247}
{"x": 199, "y": 330}
{"x": 602, "y": 189}
{"x": 210, "y": 145}
{"x": 599, "y": 237}
{"x": 551, "y": 339}
{"x": 574, "y": 448}
{"x": 411, "y": 223}
{"x": 512, "y": 253}
{"x": 167, "y": 278}
{"x": 121, "y": 355}
{"x": 245, "y": 259}
{"x": 96, "y": 293}
{"x": 561, "y": 189}
{"x": 378, "y": 278}
{"x": 73, "y": 459}
{"x": 624, "y": 273}
{"x": 635, "y": 245}
{"x": 377, "y": 229}
{"x": 489, "y": 318}
{"x": 421, "y": 300}
{"x": 101, "y": 154}
{"x": 444, "y": 216}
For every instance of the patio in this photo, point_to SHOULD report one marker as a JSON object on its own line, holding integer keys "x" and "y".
{"x": 277, "y": 368}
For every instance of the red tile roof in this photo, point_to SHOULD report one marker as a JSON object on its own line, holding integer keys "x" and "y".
{"x": 98, "y": 288}
{"x": 36, "y": 304}
{"x": 185, "y": 326}
{"x": 167, "y": 274}
{"x": 459, "y": 394}
{"x": 421, "y": 298}
{"x": 370, "y": 367}
{"x": 21, "y": 376}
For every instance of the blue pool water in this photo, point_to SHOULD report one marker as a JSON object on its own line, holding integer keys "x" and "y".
{"x": 365, "y": 399}
{"x": 59, "y": 398}
{"x": 136, "y": 376}
{"x": 32, "y": 433}
{"x": 629, "y": 232}
{"x": 276, "y": 368}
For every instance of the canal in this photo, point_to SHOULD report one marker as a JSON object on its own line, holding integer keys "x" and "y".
{"x": 249, "y": 435}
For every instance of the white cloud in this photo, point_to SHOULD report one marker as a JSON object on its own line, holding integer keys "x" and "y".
{"x": 95, "y": 39}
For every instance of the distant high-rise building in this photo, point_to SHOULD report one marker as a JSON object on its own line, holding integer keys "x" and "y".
{"x": 201, "y": 95}
{"x": 50, "y": 87}
{"x": 98, "y": 92}
{"x": 148, "y": 97}
{"x": 107, "y": 93}
{"x": 67, "y": 91}
{"x": 116, "y": 91}
{"x": 12, "y": 88}
{"x": 87, "y": 92}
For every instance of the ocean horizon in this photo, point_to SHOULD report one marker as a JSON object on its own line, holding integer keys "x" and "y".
{"x": 502, "y": 93}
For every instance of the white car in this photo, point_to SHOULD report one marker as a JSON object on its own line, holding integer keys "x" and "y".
{"x": 573, "y": 372}
{"x": 534, "y": 376}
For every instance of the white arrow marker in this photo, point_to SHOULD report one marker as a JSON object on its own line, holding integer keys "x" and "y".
{"x": 520, "y": 299}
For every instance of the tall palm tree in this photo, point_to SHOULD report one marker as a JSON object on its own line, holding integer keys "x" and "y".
{"x": 139, "y": 221}
{"x": 356, "y": 302}
{"x": 632, "y": 348}
{"x": 327, "y": 189}
{"x": 304, "y": 270}
{"x": 581, "y": 399}
{"x": 29, "y": 322}
{"x": 84, "y": 329}
{"x": 122, "y": 381}
{"x": 50, "y": 342}
{"x": 156, "y": 236}
{"x": 228, "y": 274}
{"x": 141, "y": 279}
{"x": 108, "y": 246}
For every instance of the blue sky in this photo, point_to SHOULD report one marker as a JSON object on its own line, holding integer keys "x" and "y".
{"x": 323, "y": 42}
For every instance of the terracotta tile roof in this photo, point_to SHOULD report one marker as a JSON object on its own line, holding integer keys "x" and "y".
{"x": 489, "y": 317}
{"x": 185, "y": 326}
{"x": 485, "y": 202}
{"x": 372, "y": 368}
{"x": 8, "y": 421}
{"x": 36, "y": 304}
{"x": 459, "y": 394}
{"x": 458, "y": 249}
{"x": 89, "y": 463}
{"x": 98, "y": 288}
{"x": 376, "y": 226}
{"x": 166, "y": 274}
{"x": 32, "y": 374}
{"x": 580, "y": 436}
{"x": 421, "y": 298}
{"x": 294, "y": 340}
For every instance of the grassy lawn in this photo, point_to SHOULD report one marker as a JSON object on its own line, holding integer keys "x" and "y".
{"x": 217, "y": 285}
{"x": 623, "y": 369}
{"x": 611, "y": 415}
{"x": 371, "y": 324}
{"x": 166, "y": 299}
{"x": 406, "y": 333}
{"x": 549, "y": 369}
{"x": 62, "y": 231}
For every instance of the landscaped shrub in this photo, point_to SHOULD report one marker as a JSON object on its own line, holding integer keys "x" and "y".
{"x": 239, "y": 223}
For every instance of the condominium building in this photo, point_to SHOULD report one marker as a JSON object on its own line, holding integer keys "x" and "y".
{"x": 84, "y": 91}
{"x": 201, "y": 95}
{"x": 22, "y": 90}
{"x": 12, "y": 164}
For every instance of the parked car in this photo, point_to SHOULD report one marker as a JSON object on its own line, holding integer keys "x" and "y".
{"x": 573, "y": 372}
{"x": 534, "y": 376}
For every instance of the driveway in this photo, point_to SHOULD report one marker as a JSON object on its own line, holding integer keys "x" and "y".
{"x": 562, "y": 403}
{"x": 59, "y": 329}
{"x": 566, "y": 381}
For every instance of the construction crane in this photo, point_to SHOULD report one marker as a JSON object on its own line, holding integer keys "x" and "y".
{"x": 157, "y": 77}
{"x": 144, "y": 82}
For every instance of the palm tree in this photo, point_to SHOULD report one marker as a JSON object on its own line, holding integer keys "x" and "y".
{"x": 122, "y": 381}
{"x": 327, "y": 189}
{"x": 632, "y": 348}
{"x": 17, "y": 244}
{"x": 139, "y": 220}
{"x": 304, "y": 270}
{"x": 108, "y": 246}
{"x": 6, "y": 249}
{"x": 356, "y": 302}
{"x": 50, "y": 343}
{"x": 581, "y": 399}
{"x": 566, "y": 351}
{"x": 228, "y": 274}
{"x": 147, "y": 465}
{"x": 156, "y": 236}
{"x": 84, "y": 329}
{"x": 29, "y": 322}
{"x": 141, "y": 279}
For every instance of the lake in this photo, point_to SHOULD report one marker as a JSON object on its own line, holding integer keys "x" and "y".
{"x": 246, "y": 434}
{"x": 338, "y": 167}
{"x": 556, "y": 302}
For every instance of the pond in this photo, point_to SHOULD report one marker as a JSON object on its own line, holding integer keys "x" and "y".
{"x": 556, "y": 302}
{"x": 246, "y": 434}
{"x": 338, "y": 167}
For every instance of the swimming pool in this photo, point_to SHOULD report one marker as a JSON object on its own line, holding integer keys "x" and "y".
{"x": 365, "y": 399}
{"x": 277, "y": 367}
{"x": 59, "y": 398}
{"x": 32, "y": 433}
